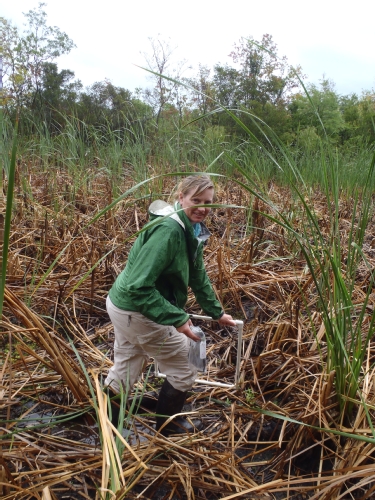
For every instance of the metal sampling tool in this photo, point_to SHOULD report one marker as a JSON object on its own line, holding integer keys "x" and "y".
{"x": 205, "y": 381}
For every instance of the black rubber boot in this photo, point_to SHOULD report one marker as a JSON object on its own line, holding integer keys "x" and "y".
{"x": 144, "y": 403}
{"x": 170, "y": 402}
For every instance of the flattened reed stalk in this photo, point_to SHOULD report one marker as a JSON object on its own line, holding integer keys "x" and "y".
{"x": 58, "y": 354}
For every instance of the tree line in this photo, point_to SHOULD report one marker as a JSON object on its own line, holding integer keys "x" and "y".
{"x": 260, "y": 87}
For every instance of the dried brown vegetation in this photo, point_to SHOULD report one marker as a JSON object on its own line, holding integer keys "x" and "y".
{"x": 55, "y": 334}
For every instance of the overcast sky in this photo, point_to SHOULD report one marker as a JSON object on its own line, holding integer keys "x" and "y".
{"x": 334, "y": 38}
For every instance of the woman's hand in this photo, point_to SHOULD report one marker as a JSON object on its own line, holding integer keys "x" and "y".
{"x": 185, "y": 329}
{"x": 226, "y": 320}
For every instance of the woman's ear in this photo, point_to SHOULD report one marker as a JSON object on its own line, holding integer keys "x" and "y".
{"x": 180, "y": 196}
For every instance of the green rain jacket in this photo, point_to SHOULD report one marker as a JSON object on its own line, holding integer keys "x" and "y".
{"x": 164, "y": 260}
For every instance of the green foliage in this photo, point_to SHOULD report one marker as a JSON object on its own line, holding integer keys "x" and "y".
{"x": 331, "y": 265}
{"x": 320, "y": 107}
{"x": 57, "y": 95}
{"x": 202, "y": 92}
{"x": 26, "y": 54}
{"x": 367, "y": 116}
{"x": 115, "y": 108}
{"x": 6, "y": 224}
{"x": 258, "y": 84}
{"x": 262, "y": 75}
{"x": 249, "y": 396}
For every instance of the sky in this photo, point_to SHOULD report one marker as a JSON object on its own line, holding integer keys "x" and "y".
{"x": 327, "y": 38}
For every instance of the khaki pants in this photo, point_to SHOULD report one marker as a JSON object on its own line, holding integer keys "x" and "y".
{"x": 136, "y": 339}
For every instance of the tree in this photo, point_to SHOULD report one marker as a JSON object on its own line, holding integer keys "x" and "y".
{"x": 259, "y": 83}
{"x": 350, "y": 110}
{"x": 262, "y": 75}
{"x": 324, "y": 111}
{"x": 367, "y": 116}
{"x": 57, "y": 95}
{"x": 115, "y": 107}
{"x": 26, "y": 54}
{"x": 202, "y": 94}
{"x": 164, "y": 91}
{"x": 226, "y": 82}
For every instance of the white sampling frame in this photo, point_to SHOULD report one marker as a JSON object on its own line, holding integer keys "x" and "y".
{"x": 239, "y": 324}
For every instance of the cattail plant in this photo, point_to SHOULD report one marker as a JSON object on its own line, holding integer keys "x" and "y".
{"x": 6, "y": 204}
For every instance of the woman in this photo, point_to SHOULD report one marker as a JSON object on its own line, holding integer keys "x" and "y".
{"x": 146, "y": 302}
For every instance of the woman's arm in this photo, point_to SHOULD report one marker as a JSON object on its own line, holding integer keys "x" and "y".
{"x": 150, "y": 255}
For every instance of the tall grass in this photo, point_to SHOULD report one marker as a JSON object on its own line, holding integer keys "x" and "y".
{"x": 7, "y": 204}
{"x": 332, "y": 263}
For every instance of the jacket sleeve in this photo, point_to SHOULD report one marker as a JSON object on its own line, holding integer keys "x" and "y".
{"x": 146, "y": 267}
{"x": 202, "y": 288}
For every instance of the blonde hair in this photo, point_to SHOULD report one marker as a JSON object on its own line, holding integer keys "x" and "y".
{"x": 194, "y": 184}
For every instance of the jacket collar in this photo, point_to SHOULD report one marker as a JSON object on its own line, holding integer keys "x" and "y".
{"x": 160, "y": 208}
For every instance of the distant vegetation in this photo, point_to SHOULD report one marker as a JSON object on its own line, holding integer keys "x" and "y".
{"x": 258, "y": 84}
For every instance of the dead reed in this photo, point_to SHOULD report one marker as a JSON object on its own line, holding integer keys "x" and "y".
{"x": 261, "y": 440}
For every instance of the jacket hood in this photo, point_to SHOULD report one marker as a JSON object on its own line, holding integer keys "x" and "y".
{"x": 160, "y": 208}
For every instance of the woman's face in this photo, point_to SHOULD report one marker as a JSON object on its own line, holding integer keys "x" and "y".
{"x": 187, "y": 202}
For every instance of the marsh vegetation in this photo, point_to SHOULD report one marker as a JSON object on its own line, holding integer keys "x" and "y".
{"x": 292, "y": 254}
